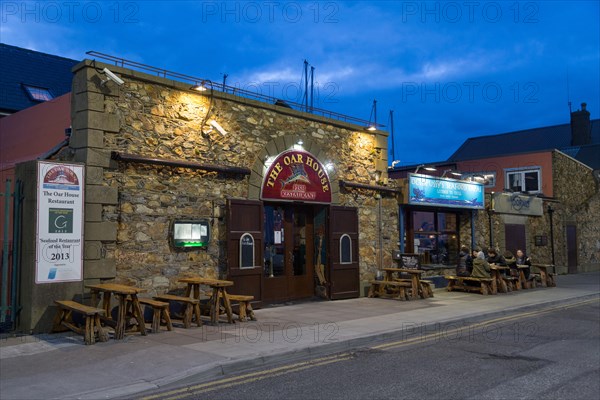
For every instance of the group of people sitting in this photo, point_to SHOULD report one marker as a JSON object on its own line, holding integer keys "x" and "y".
{"x": 477, "y": 265}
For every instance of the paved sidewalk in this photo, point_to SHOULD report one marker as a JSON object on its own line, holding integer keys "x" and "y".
{"x": 61, "y": 367}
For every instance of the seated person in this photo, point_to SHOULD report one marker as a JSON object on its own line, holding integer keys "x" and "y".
{"x": 465, "y": 262}
{"x": 494, "y": 258}
{"x": 522, "y": 259}
{"x": 511, "y": 262}
{"x": 481, "y": 268}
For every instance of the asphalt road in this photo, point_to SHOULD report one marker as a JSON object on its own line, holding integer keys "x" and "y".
{"x": 545, "y": 354}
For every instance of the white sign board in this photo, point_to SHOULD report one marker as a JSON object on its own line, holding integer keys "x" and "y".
{"x": 59, "y": 253}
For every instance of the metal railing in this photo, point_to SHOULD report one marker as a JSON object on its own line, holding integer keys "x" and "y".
{"x": 121, "y": 62}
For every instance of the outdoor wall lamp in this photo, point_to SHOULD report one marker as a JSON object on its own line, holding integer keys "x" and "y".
{"x": 200, "y": 88}
{"x": 426, "y": 168}
{"x": 452, "y": 172}
{"x": 373, "y": 125}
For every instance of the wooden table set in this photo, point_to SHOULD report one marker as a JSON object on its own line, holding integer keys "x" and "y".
{"x": 418, "y": 288}
{"x": 218, "y": 292}
{"x": 128, "y": 302}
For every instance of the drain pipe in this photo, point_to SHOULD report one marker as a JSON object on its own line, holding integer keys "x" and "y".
{"x": 379, "y": 230}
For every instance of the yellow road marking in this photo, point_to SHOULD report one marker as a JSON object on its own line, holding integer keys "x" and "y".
{"x": 421, "y": 339}
{"x": 286, "y": 369}
{"x": 250, "y": 377}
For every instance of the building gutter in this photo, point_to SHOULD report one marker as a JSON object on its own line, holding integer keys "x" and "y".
{"x": 346, "y": 184}
{"x": 225, "y": 169}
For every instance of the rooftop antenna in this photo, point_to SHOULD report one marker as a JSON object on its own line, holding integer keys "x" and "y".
{"x": 306, "y": 85}
{"x": 224, "y": 81}
{"x": 568, "y": 92}
{"x": 392, "y": 134}
{"x": 312, "y": 87}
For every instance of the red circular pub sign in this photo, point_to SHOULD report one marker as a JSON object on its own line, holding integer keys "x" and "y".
{"x": 296, "y": 176}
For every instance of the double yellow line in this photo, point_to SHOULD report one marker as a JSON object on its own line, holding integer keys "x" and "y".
{"x": 300, "y": 366}
{"x": 247, "y": 378}
{"x": 470, "y": 328}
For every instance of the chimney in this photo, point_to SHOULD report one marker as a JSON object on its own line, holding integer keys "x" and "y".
{"x": 581, "y": 128}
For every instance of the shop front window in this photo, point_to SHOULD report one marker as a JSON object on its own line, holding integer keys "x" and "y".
{"x": 435, "y": 237}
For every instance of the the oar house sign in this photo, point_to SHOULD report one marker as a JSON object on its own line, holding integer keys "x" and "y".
{"x": 296, "y": 175}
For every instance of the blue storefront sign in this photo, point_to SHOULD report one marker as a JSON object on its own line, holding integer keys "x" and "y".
{"x": 433, "y": 191}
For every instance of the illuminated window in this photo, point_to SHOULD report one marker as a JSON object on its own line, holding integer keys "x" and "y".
{"x": 38, "y": 93}
{"x": 524, "y": 180}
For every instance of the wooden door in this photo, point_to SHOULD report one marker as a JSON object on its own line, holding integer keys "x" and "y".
{"x": 572, "y": 249}
{"x": 289, "y": 252}
{"x": 245, "y": 219}
{"x": 514, "y": 236}
{"x": 343, "y": 243}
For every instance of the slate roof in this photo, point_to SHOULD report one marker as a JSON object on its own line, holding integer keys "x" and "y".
{"x": 532, "y": 140}
{"x": 27, "y": 67}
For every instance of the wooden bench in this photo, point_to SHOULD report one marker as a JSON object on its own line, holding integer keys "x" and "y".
{"x": 192, "y": 307}
{"x": 512, "y": 283}
{"x": 92, "y": 320}
{"x": 427, "y": 287}
{"x": 160, "y": 312}
{"x": 245, "y": 308}
{"x": 378, "y": 289}
{"x": 458, "y": 283}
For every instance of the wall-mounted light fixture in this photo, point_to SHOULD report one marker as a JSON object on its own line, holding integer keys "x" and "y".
{"x": 395, "y": 162}
{"x": 425, "y": 167}
{"x": 218, "y": 127}
{"x": 452, "y": 172}
{"x": 200, "y": 87}
{"x": 373, "y": 117}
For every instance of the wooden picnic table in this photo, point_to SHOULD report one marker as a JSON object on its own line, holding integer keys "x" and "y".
{"x": 525, "y": 283}
{"x": 498, "y": 284}
{"x": 415, "y": 280}
{"x": 218, "y": 292}
{"x": 546, "y": 277}
{"x": 127, "y": 297}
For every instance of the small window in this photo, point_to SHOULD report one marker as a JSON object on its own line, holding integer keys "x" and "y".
{"x": 36, "y": 93}
{"x": 345, "y": 249}
{"x": 527, "y": 180}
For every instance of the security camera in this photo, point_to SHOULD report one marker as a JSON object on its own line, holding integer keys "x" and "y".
{"x": 112, "y": 77}
{"x": 218, "y": 127}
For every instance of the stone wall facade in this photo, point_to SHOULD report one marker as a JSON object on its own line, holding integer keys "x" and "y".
{"x": 578, "y": 193}
{"x": 576, "y": 202}
{"x": 130, "y": 206}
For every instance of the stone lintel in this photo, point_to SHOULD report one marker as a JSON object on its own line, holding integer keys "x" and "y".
{"x": 93, "y": 250}
{"x": 87, "y": 138}
{"x": 105, "y": 231}
{"x": 93, "y": 157}
{"x": 99, "y": 269}
{"x": 93, "y": 212}
{"x": 96, "y": 120}
{"x": 96, "y": 194}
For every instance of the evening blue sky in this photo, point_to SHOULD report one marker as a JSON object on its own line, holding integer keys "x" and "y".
{"x": 449, "y": 70}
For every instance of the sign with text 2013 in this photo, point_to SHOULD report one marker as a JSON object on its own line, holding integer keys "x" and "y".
{"x": 59, "y": 254}
{"x": 433, "y": 191}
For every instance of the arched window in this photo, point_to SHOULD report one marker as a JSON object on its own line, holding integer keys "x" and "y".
{"x": 345, "y": 249}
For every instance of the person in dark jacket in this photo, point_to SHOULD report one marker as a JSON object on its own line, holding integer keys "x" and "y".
{"x": 522, "y": 259}
{"x": 465, "y": 262}
{"x": 494, "y": 258}
{"x": 511, "y": 262}
{"x": 481, "y": 268}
